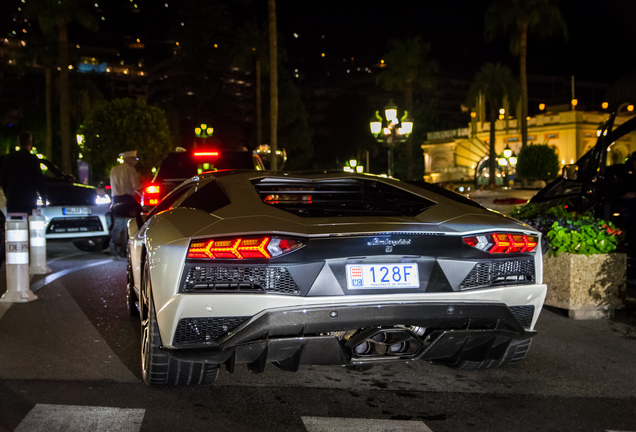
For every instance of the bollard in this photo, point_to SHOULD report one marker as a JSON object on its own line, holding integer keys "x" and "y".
{"x": 17, "y": 263}
{"x": 37, "y": 244}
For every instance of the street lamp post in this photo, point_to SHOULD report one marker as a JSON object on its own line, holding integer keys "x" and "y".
{"x": 508, "y": 160}
{"x": 391, "y": 130}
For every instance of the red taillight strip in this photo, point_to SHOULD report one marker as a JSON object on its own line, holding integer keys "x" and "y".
{"x": 205, "y": 153}
{"x": 233, "y": 248}
{"x": 502, "y": 243}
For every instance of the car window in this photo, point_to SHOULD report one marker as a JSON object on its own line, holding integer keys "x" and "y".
{"x": 339, "y": 197}
{"x": 209, "y": 198}
{"x": 184, "y": 165}
{"x": 172, "y": 198}
{"x": 52, "y": 172}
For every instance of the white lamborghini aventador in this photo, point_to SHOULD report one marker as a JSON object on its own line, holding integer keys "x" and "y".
{"x": 257, "y": 267}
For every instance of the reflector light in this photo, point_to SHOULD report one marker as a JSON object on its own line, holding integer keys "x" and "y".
{"x": 502, "y": 243}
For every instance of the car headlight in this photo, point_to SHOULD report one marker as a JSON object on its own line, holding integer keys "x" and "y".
{"x": 102, "y": 199}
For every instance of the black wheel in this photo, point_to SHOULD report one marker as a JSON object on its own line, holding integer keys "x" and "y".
{"x": 157, "y": 367}
{"x": 515, "y": 353}
{"x": 95, "y": 244}
{"x": 132, "y": 302}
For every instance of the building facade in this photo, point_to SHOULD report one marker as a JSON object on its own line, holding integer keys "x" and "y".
{"x": 461, "y": 155}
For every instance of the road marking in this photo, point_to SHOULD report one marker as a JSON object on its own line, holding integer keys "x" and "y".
{"x": 52, "y": 277}
{"x": 4, "y": 307}
{"x": 330, "y": 424}
{"x": 72, "y": 418}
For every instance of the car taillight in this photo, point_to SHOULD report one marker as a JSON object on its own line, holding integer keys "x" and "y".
{"x": 502, "y": 243}
{"x": 243, "y": 248}
{"x": 199, "y": 154}
{"x": 151, "y": 195}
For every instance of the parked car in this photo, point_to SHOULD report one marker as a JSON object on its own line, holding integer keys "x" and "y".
{"x": 73, "y": 212}
{"x": 249, "y": 267}
{"x": 596, "y": 182}
{"x": 180, "y": 165}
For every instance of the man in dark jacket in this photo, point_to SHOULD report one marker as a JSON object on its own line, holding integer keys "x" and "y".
{"x": 21, "y": 177}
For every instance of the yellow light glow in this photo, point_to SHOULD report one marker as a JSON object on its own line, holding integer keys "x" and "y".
{"x": 604, "y": 105}
{"x": 575, "y": 102}
{"x": 541, "y": 106}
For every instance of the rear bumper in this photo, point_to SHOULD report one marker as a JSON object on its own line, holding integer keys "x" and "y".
{"x": 447, "y": 332}
{"x": 60, "y": 226}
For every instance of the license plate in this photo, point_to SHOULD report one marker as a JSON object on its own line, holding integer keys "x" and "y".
{"x": 365, "y": 276}
{"x": 76, "y": 210}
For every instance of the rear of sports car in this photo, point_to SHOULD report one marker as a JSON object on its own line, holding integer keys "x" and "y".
{"x": 355, "y": 270}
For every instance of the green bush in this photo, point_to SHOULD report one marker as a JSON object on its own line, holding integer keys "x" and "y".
{"x": 537, "y": 162}
{"x": 570, "y": 232}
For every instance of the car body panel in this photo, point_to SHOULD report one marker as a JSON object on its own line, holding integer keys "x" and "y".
{"x": 430, "y": 239}
{"x": 72, "y": 212}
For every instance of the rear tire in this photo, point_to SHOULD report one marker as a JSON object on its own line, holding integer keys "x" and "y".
{"x": 157, "y": 367}
{"x": 515, "y": 353}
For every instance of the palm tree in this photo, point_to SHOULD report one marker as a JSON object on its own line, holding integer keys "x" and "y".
{"x": 273, "y": 82}
{"x": 408, "y": 69}
{"x": 251, "y": 45}
{"x": 55, "y": 16}
{"x": 39, "y": 49}
{"x": 520, "y": 18}
{"x": 493, "y": 84}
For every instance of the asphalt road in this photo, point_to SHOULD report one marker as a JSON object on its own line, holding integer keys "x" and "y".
{"x": 69, "y": 361}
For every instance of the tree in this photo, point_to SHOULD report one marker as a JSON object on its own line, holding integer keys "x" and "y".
{"x": 520, "y": 18}
{"x": 40, "y": 48}
{"x": 121, "y": 125}
{"x": 55, "y": 16}
{"x": 251, "y": 45}
{"x": 494, "y": 82}
{"x": 408, "y": 68}
{"x": 539, "y": 162}
{"x": 273, "y": 81}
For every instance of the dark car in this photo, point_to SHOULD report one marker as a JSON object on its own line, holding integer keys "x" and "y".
{"x": 595, "y": 182}
{"x": 73, "y": 212}
{"x": 179, "y": 166}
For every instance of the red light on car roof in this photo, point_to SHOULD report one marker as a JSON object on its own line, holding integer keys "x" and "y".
{"x": 206, "y": 154}
{"x": 242, "y": 248}
{"x": 502, "y": 243}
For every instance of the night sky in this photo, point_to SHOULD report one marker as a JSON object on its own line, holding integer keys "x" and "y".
{"x": 601, "y": 45}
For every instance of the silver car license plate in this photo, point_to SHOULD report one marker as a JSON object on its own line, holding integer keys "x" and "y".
{"x": 365, "y": 276}
{"x": 76, "y": 210}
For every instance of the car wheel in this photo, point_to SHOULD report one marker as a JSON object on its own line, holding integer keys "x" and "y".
{"x": 132, "y": 302}
{"x": 157, "y": 367}
{"x": 515, "y": 353}
{"x": 96, "y": 244}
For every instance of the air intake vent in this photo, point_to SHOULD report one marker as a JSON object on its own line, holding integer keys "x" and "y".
{"x": 524, "y": 314}
{"x": 204, "y": 330}
{"x": 239, "y": 279}
{"x": 495, "y": 273}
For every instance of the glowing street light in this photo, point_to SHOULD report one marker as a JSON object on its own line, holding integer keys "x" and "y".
{"x": 391, "y": 130}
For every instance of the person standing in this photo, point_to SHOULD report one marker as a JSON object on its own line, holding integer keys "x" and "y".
{"x": 21, "y": 178}
{"x": 124, "y": 183}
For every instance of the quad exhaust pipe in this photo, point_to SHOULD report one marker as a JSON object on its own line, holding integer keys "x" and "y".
{"x": 385, "y": 342}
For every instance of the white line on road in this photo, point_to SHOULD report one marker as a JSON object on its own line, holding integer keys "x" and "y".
{"x": 51, "y": 278}
{"x": 71, "y": 418}
{"x": 331, "y": 424}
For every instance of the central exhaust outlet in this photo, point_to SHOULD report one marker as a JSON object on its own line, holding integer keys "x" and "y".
{"x": 384, "y": 342}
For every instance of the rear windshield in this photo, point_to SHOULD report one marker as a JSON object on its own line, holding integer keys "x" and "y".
{"x": 184, "y": 165}
{"x": 339, "y": 197}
